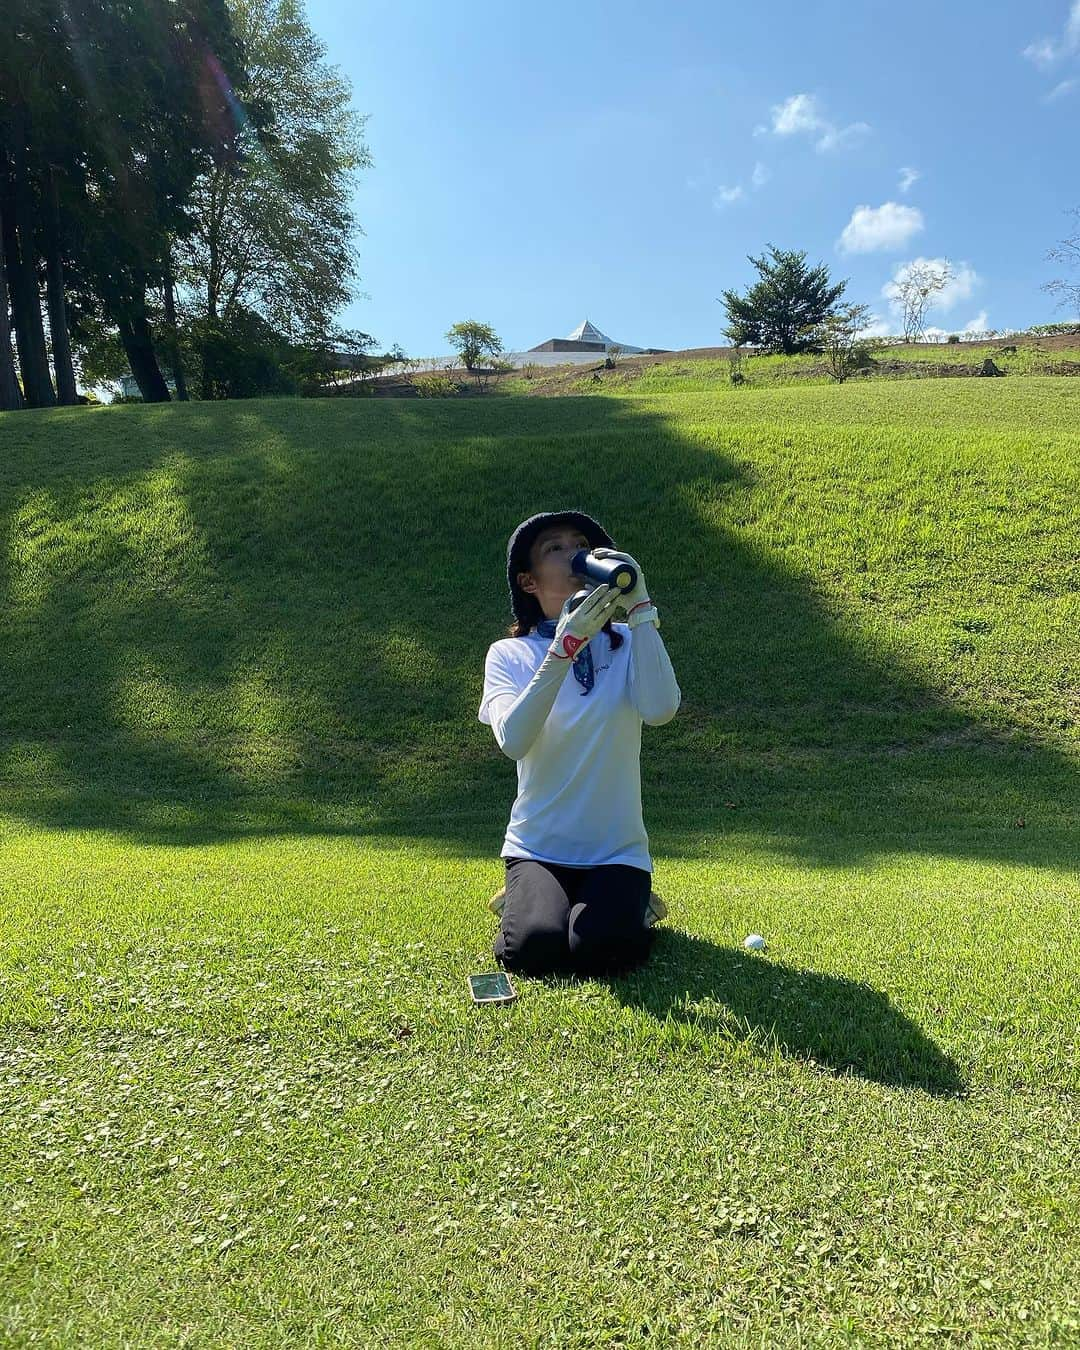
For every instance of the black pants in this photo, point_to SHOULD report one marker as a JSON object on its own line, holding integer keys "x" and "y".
{"x": 587, "y": 919}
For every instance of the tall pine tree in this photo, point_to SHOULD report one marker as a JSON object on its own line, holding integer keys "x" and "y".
{"x": 780, "y": 312}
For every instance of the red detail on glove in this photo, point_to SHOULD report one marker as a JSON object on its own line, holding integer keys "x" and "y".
{"x": 571, "y": 643}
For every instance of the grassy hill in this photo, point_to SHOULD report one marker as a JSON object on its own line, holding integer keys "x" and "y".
{"x": 249, "y": 822}
{"x": 708, "y": 369}
{"x": 279, "y": 611}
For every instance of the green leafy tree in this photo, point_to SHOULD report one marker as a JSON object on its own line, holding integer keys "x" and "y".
{"x": 25, "y": 37}
{"x": 473, "y": 341}
{"x": 178, "y": 112}
{"x": 269, "y": 227}
{"x": 780, "y": 312}
{"x": 247, "y": 356}
{"x": 42, "y": 134}
{"x": 336, "y": 358}
{"x": 841, "y": 336}
{"x": 109, "y": 109}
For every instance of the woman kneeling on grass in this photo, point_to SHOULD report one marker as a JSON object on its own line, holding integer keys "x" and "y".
{"x": 578, "y": 870}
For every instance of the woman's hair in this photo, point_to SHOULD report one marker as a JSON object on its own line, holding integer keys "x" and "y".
{"x": 519, "y": 629}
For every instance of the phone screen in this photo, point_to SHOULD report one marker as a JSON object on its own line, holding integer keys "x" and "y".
{"x": 491, "y": 987}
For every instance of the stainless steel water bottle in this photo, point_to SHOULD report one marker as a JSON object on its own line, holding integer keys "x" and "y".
{"x": 604, "y": 571}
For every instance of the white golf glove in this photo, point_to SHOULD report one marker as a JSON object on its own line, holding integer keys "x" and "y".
{"x": 575, "y": 627}
{"x": 640, "y": 594}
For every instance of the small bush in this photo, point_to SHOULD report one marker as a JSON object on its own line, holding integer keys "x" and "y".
{"x": 953, "y": 337}
{"x": 435, "y": 386}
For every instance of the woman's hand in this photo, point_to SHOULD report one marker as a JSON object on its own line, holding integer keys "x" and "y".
{"x": 575, "y": 627}
{"x": 640, "y": 594}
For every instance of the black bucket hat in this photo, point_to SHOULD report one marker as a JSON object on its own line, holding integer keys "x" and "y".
{"x": 526, "y": 607}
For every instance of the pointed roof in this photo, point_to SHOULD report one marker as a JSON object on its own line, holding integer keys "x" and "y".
{"x": 588, "y": 332}
{"x": 592, "y": 339}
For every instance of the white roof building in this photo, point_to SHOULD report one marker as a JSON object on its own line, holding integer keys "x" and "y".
{"x": 586, "y": 337}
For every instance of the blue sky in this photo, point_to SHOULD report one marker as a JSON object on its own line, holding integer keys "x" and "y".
{"x": 537, "y": 164}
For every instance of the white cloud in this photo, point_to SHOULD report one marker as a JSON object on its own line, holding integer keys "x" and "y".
{"x": 802, "y": 113}
{"x": 1046, "y": 52}
{"x": 879, "y": 227}
{"x": 841, "y": 138}
{"x": 725, "y": 196}
{"x": 960, "y": 286}
{"x": 908, "y": 177}
{"x": 1060, "y": 90}
{"x": 933, "y": 333}
{"x": 1042, "y": 53}
{"x": 876, "y": 327}
{"x": 797, "y": 113}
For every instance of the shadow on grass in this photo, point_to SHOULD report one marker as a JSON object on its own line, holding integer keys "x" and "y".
{"x": 271, "y": 617}
{"x": 839, "y": 1024}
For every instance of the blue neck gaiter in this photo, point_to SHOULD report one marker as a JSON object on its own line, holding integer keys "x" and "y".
{"x": 583, "y": 665}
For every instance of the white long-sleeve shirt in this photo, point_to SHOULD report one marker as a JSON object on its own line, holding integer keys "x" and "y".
{"x": 578, "y": 754}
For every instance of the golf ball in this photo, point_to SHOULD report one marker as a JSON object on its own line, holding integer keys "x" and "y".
{"x": 754, "y": 943}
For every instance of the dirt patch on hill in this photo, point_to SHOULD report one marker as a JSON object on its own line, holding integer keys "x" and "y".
{"x": 947, "y": 369}
{"x": 923, "y": 369}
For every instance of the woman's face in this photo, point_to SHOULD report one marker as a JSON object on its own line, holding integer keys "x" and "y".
{"x": 549, "y": 577}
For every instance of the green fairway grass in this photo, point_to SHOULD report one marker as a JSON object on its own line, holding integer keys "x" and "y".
{"x": 249, "y": 824}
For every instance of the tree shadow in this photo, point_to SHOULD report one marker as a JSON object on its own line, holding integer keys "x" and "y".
{"x": 215, "y": 626}
{"x": 839, "y": 1024}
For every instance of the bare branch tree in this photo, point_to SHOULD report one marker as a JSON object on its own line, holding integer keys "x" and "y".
{"x": 916, "y": 288}
{"x": 1067, "y": 252}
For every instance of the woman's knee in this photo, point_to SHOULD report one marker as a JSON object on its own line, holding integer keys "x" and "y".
{"x": 538, "y": 947}
{"x": 608, "y": 950}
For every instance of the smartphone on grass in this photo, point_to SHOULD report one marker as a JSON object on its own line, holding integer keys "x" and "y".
{"x": 491, "y": 988}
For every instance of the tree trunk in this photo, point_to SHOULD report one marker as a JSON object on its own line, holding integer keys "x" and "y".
{"x": 174, "y": 337}
{"x": 207, "y": 384}
{"x": 10, "y": 393}
{"x": 58, "y": 324}
{"x": 18, "y": 221}
{"x": 139, "y": 344}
